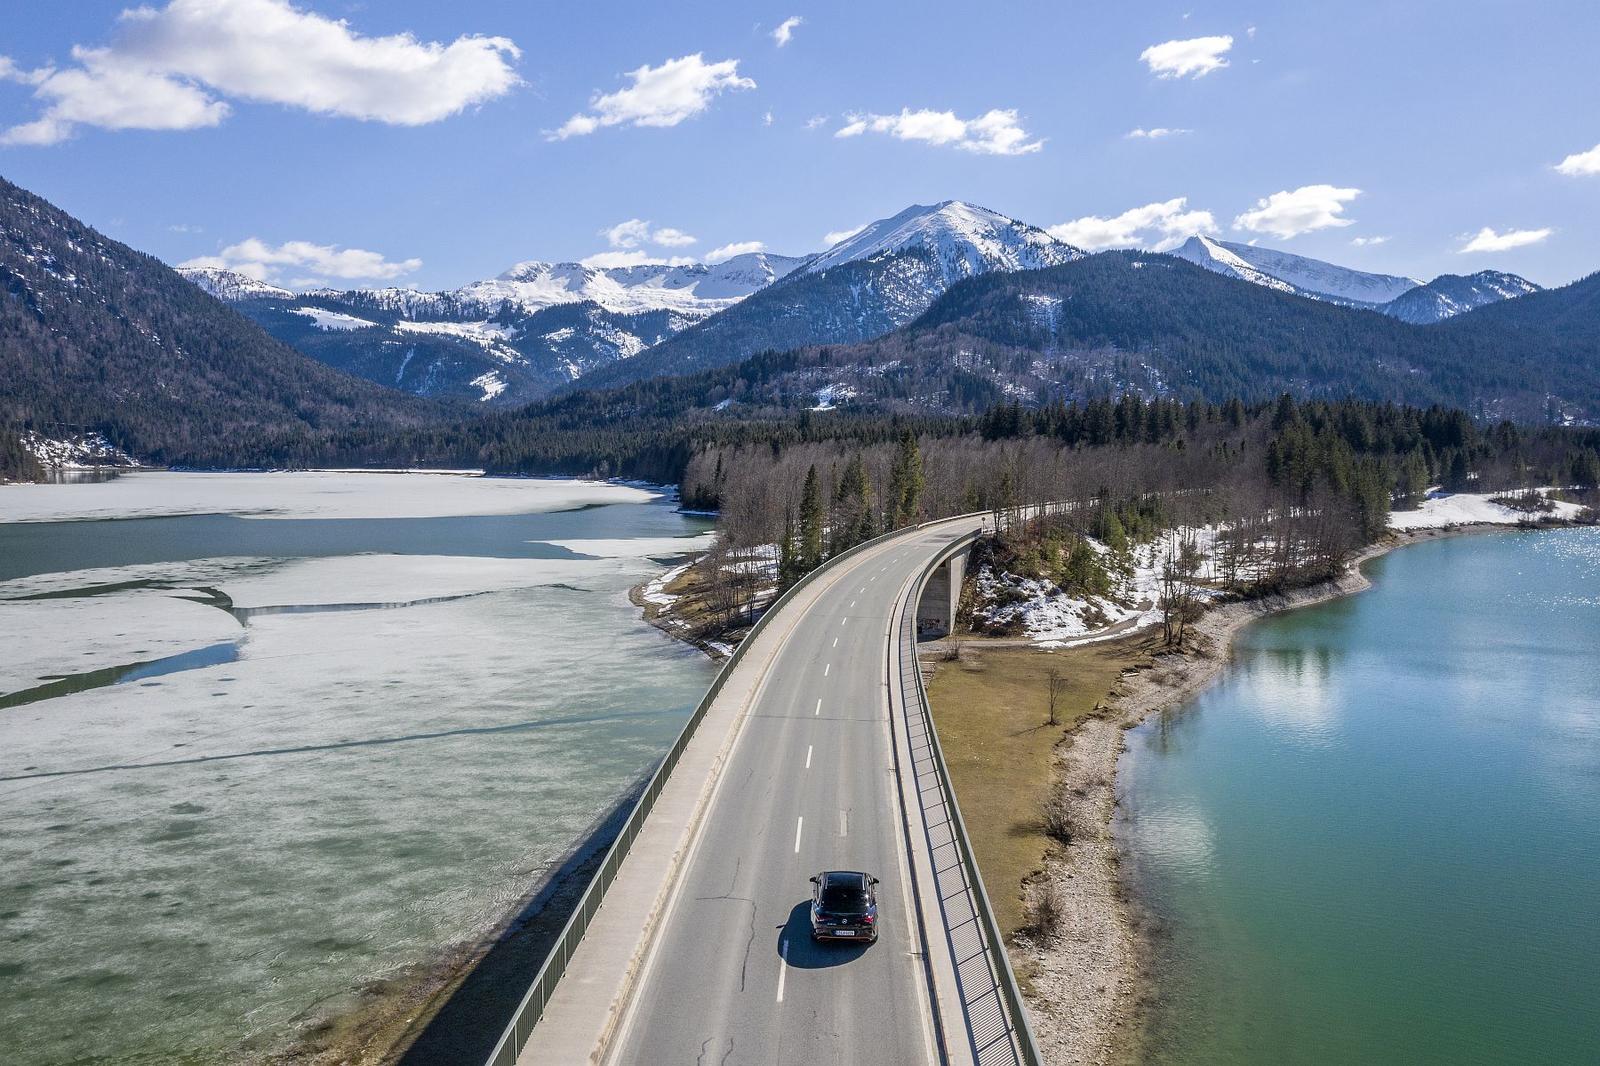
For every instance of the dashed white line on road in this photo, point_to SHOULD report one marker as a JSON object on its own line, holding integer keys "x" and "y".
{"x": 798, "y": 825}
{"x": 808, "y": 756}
{"x": 842, "y": 621}
{"x": 825, "y": 668}
{"x": 818, "y": 711}
{"x": 844, "y": 823}
{"x": 835, "y": 642}
{"x": 783, "y": 965}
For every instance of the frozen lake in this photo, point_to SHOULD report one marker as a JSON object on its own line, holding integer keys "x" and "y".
{"x": 266, "y": 738}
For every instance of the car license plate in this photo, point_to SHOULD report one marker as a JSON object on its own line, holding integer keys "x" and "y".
{"x": 844, "y": 932}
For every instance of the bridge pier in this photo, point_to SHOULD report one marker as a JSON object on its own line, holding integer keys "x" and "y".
{"x": 936, "y": 610}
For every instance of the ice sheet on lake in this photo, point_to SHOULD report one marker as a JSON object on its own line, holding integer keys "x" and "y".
{"x": 230, "y": 848}
{"x": 638, "y": 546}
{"x": 307, "y": 494}
{"x": 355, "y": 792}
{"x": 52, "y": 638}
{"x": 396, "y": 579}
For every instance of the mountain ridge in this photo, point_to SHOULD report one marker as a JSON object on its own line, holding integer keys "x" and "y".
{"x": 96, "y": 337}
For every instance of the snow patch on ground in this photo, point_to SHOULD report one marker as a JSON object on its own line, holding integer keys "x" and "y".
{"x": 81, "y": 451}
{"x": 1051, "y": 618}
{"x": 491, "y": 383}
{"x": 324, "y": 319}
{"x": 831, "y": 396}
{"x": 655, "y": 591}
{"x": 1442, "y": 509}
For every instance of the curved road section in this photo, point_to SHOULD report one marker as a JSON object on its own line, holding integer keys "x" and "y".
{"x": 701, "y": 952}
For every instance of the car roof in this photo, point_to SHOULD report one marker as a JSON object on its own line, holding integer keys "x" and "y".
{"x": 845, "y": 877}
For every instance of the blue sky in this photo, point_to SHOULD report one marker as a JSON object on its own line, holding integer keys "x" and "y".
{"x": 1384, "y": 136}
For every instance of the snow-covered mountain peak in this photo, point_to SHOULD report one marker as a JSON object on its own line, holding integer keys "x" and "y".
{"x": 1294, "y": 273}
{"x": 696, "y": 288}
{"x": 229, "y": 285}
{"x": 1451, "y": 294}
{"x": 963, "y": 238}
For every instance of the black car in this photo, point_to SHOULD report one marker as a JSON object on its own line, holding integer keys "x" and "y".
{"x": 844, "y": 906}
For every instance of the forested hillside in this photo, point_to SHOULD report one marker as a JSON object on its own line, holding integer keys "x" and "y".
{"x": 1154, "y": 324}
{"x": 96, "y": 337}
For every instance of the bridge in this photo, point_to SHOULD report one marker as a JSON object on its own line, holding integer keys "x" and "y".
{"x": 814, "y": 750}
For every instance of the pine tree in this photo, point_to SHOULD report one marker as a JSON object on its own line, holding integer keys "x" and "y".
{"x": 1412, "y": 480}
{"x": 788, "y": 567}
{"x": 852, "y": 507}
{"x": 809, "y": 556}
{"x": 1586, "y": 469}
{"x": 906, "y": 483}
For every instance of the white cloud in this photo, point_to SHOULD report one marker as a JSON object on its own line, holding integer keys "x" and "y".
{"x": 602, "y": 260}
{"x": 636, "y": 232}
{"x": 1487, "y": 240}
{"x": 1367, "y": 242}
{"x": 1581, "y": 163}
{"x": 1159, "y": 226}
{"x": 832, "y": 238}
{"x": 671, "y": 238}
{"x": 996, "y": 132}
{"x": 1250, "y": 32}
{"x": 629, "y": 234}
{"x": 815, "y": 120}
{"x": 786, "y": 29}
{"x": 659, "y": 96}
{"x": 1195, "y": 57}
{"x": 1155, "y": 133}
{"x": 1292, "y": 212}
{"x": 728, "y": 251}
{"x": 168, "y": 68}
{"x": 264, "y": 261}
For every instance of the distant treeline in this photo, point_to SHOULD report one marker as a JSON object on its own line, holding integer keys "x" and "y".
{"x": 1317, "y": 478}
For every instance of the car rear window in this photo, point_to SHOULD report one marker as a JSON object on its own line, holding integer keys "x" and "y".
{"x": 844, "y": 896}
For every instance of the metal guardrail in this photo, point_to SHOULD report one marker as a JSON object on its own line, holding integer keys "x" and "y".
{"x": 531, "y": 1009}
{"x": 1022, "y": 1046}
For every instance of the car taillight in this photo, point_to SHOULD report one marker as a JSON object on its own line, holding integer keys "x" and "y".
{"x": 869, "y": 919}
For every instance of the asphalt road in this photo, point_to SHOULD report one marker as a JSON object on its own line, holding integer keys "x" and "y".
{"x": 733, "y": 977}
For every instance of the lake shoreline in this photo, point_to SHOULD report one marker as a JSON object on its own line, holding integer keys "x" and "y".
{"x": 1090, "y": 986}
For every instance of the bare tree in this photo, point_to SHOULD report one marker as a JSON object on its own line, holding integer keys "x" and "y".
{"x": 1057, "y": 688}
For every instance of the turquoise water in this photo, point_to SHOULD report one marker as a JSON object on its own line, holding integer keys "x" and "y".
{"x": 1377, "y": 838}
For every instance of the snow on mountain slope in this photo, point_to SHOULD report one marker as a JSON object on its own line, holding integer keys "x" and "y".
{"x": 964, "y": 240}
{"x": 1294, "y": 273}
{"x": 229, "y": 285}
{"x": 505, "y": 340}
{"x": 325, "y": 319}
{"x": 698, "y": 288}
{"x": 1451, "y": 294}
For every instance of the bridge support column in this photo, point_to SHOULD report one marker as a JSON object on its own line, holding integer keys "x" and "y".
{"x": 936, "y": 611}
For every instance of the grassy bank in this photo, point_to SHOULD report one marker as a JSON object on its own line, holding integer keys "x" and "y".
{"x": 991, "y": 710}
